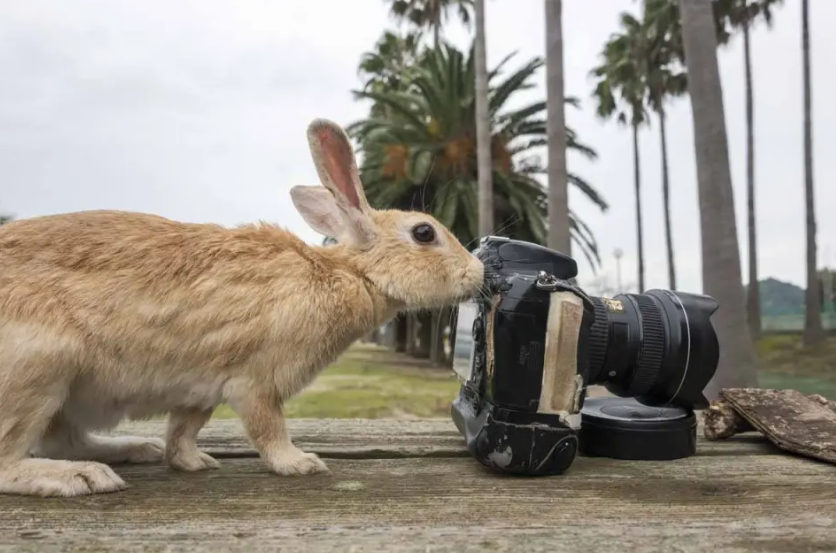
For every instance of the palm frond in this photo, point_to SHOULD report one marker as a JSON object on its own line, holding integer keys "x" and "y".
{"x": 419, "y": 149}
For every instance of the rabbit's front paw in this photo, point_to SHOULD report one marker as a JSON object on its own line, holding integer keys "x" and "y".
{"x": 294, "y": 462}
{"x": 192, "y": 462}
{"x": 56, "y": 478}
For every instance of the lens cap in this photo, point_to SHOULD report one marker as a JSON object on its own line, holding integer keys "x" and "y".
{"x": 623, "y": 428}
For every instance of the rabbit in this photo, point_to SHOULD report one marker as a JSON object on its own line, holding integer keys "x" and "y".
{"x": 113, "y": 315}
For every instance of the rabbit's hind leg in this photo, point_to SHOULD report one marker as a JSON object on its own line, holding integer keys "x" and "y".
{"x": 68, "y": 439}
{"x": 27, "y": 410}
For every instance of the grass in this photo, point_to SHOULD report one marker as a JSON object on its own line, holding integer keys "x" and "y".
{"x": 784, "y": 353}
{"x": 803, "y": 384}
{"x": 786, "y": 364}
{"x": 372, "y": 382}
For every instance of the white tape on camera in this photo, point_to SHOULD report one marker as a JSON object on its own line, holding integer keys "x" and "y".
{"x": 562, "y": 386}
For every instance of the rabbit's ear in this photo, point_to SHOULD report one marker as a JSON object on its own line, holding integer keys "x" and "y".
{"x": 317, "y": 206}
{"x": 335, "y": 163}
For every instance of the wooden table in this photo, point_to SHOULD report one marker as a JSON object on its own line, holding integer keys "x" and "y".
{"x": 401, "y": 486}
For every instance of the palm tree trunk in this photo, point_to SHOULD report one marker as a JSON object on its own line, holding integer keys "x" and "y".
{"x": 411, "y": 345}
{"x": 424, "y": 320}
{"x": 483, "y": 126}
{"x": 637, "y": 177}
{"x": 721, "y": 273}
{"x": 436, "y": 338}
{"x": 452, "y": 321}
{"x": 559, "y": 237}
{"x": 397, "y": 338}
{"x": 390, "y": 337}
{"x": 666, "y": 200}
{"x": 753, "y": 300}
{"x": 813, "y": 331}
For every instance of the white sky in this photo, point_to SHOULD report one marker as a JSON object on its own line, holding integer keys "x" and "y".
{"x": 196, "y": 110}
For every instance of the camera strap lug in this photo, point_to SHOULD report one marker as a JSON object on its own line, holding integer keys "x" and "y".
{"x": 545, "y": 281}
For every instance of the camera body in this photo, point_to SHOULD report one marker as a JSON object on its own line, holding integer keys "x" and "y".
{"x": 527, "y": 350}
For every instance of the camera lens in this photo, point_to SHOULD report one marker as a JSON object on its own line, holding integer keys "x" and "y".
{"x": 658, "y": 347}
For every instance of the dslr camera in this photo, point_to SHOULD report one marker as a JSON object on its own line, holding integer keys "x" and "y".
{"x": 528, "y": 348}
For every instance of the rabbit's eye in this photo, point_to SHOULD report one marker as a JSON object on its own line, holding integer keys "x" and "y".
{"x": 423, "y": 233}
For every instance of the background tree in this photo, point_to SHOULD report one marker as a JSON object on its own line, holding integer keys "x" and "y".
{"x": 431, "y": 14}
{"x": 664, "y": 78}
{"x": 559, "y": 237}
{"x": 729, "y": 16}
{"x": 741, "y": 15}
{"x": 483, "y": 129}
{"x": 813, "y": 331}
{"x": 619, "y": 93}
{"x": 720, "y": 251}
{"x": 423, "y": 154}
{"x": 384, "y": 67}
{"x": 5, "y": 219}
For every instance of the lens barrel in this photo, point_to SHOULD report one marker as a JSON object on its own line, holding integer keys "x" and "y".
{"x": 658, "y": 347}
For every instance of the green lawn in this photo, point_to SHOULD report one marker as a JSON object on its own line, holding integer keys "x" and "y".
{"x": 371, "y": 382}
{"x": 807, "y": 385}
{"x": 785, "y": 364}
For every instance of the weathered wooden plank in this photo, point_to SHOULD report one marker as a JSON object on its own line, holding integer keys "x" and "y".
{"x": 716, "y": 503}
{"x": 386, "y": 438}
{"x": 797, "y": 422}
{"x": 349, "y": 438}
{"x": 755, "y": 535}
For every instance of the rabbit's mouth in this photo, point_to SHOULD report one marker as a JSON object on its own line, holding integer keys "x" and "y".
{"x": 472, "y": 285}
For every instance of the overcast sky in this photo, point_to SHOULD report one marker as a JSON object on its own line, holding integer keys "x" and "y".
{"x": 197, "y": 110}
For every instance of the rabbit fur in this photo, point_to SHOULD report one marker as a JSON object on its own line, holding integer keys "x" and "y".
{"x": 109, "y": 315}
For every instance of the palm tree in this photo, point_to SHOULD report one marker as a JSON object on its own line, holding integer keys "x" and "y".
{"x": 720, "y": 250}
{"x": 813, "y": 331}
{"x": 383, "y": 67}
{"x": 430, "y": 14}
{"x": 483, "y": 127}
{"x": 753, "y": 299}
{"x": 664, "y": 78}
{"x": 424, "y": 155}
{"x": 619, "y": 93}
{"x": 666, "y": 17}
{"x": 662, "y": 67}
{"x": 558, "y": 211}
{"x": 729, "y": 15}
{"x": 741, "y": 15}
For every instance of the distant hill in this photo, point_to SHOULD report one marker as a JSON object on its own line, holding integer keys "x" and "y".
{"x": 780, "y": 298}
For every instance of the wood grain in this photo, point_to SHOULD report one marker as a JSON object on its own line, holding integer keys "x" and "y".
{"x": 738, "y": 495}
{"x": 387, "y": 438}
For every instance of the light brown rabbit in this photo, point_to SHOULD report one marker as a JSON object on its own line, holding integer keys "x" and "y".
{"x": 108, "y": 315}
